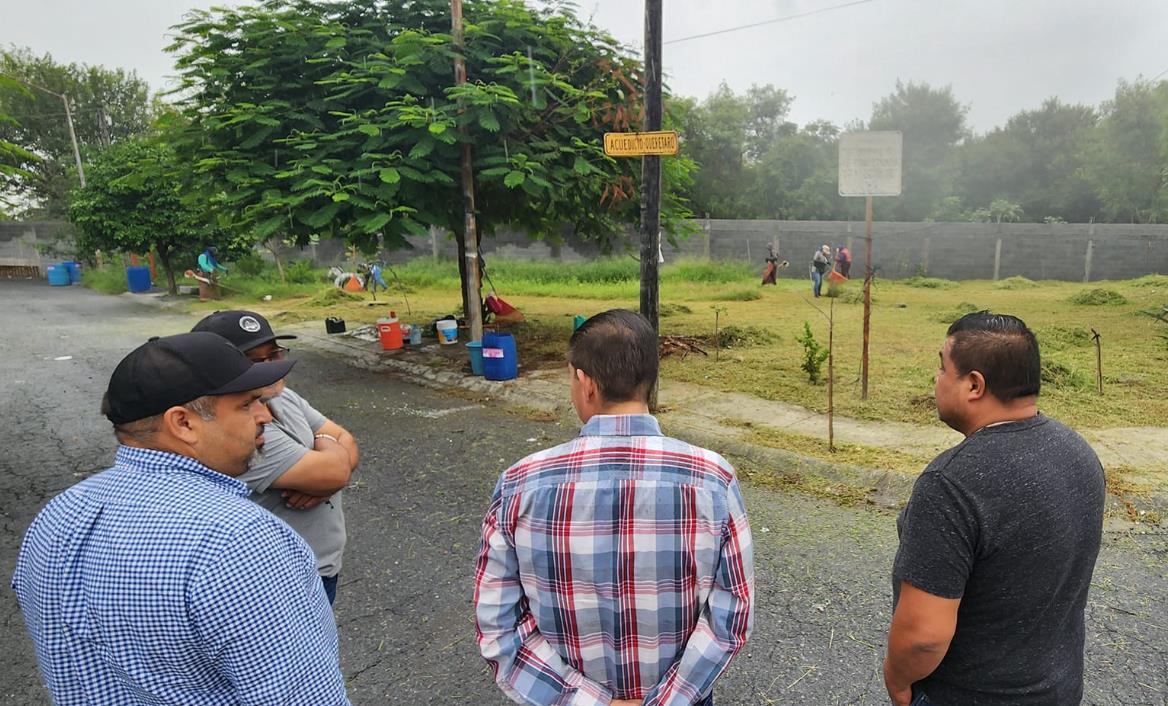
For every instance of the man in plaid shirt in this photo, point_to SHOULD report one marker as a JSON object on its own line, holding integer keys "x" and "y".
{"x": 615, "y": 568}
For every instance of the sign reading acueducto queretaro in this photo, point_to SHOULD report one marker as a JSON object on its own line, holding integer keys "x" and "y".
{"x": 640, "y": 144}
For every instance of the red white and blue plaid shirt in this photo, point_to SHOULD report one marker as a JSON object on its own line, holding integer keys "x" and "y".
{"x": 615, "y": 566}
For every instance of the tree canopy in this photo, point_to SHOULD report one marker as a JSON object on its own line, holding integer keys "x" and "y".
{"x": 1058, "y": 162}
{"x": 133, "y": 202}
{"x": 343, "y": 119}
{"x": 108, "y": 105}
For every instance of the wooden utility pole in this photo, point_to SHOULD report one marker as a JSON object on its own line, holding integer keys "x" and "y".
{"x": 651, "y": 173}
{"x": 469, "y": 257}
{"x": 831, "y": 377}
{"x": 867, "y": 296}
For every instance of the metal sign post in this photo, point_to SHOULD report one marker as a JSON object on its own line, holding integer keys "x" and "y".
{"x": 869, "y": 165}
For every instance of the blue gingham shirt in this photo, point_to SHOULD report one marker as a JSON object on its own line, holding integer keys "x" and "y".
{"x": 159, "y": 582}
{"x": 615, "y": 566}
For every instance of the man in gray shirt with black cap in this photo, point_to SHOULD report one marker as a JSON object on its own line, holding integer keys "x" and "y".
{"x": 306, "y": 459}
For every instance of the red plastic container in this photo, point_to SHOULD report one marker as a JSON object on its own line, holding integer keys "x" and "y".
{"x": 390, "y": 333}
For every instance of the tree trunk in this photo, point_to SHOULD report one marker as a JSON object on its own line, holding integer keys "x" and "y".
{"x": 273, "y": 247}
{"x": 171, "y": 286}
{"x": 463, "y": 274}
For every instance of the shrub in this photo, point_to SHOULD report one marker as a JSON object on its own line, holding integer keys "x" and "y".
{"x": 1098, "y": 297}
{"x": 813, "y": 354}
{"x": 302, "y": 272}
{"x": 110, "y": 279}
{"x": 250, "y": 264}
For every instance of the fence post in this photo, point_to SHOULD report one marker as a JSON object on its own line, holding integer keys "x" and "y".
{"x": 997, "y": 259}
{"x": 1087, "y": 262}
{"x": 707, "y": 243}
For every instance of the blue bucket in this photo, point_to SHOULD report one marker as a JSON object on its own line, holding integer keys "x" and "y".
{"x": 74, "y": 269}
{"x": 138, "y": 279}
{"x": 500, "y": 361}
{"x": 475, "y": 349}
{"x": 58, "y": 275}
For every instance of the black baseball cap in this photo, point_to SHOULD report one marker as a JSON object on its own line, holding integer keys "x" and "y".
{"x": 245, "y": 329}
{"x": 173, "y": 370}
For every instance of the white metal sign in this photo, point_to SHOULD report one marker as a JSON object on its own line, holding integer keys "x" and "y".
{"x": 870, "y": 163}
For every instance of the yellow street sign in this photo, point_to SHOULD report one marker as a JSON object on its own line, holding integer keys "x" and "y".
{"x": 640, "y": 144}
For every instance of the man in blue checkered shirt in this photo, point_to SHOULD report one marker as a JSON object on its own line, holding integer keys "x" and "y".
{"x": 157, "y": 581}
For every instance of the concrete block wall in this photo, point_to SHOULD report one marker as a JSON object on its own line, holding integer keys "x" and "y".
{"x": 1073, "y": 252}
{"x": 21, "y": 242}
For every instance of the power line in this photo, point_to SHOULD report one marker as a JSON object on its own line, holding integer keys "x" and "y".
{"x": 786, "y": 18}
{"x": 1165, "y": 71}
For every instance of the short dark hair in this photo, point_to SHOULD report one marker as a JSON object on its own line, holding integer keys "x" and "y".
{"x": 1002, "y": 349}
{"x": 617, "y": 349}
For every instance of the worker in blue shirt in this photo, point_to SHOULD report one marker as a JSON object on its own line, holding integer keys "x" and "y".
{"x": 157, "y": 580}
{"x": 209, "y": 269}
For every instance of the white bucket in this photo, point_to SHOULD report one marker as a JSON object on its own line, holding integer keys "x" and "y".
{"x": 447, "y": 332}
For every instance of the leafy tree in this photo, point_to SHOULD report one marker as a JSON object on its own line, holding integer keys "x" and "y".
{"x": 133, "y": 202}
{"x": 109, "y": 105}
{"x": 1125, "y": 159}
{"x": 728, "y": 135}
{"x": 1035, "y": 159}
{"x": 11, "y": 156}
{"x": 933, "y": 123}
{"x": 999, "y": 210}
{"x": 343, "y": 119}
{"x": 796, "y": 176}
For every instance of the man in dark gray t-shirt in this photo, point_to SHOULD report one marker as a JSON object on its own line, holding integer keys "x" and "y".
{"x": 999, "y": 540}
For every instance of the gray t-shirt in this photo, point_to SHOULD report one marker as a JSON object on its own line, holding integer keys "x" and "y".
{"x": 286, "y": 439}
{"x": 1009, "y": 521}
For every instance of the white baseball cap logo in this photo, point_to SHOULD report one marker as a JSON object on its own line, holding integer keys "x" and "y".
{"x": 249, "y": 324}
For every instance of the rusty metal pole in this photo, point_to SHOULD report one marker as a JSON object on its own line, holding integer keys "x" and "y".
{"x": 472, "y": 285}
{"x": 867, "y": 296}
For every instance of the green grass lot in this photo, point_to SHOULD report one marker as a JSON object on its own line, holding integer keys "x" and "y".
{"x": 909, "y": 319}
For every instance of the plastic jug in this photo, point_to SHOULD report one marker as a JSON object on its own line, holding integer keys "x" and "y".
{"x": 390, "y": 333}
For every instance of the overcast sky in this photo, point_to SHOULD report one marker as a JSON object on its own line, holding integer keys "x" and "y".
{"x": 1000, "y": 56}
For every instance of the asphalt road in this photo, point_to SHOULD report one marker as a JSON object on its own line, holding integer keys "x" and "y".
{"x": 429, "y": 464}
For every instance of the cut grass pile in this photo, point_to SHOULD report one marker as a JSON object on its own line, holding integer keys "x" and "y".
{"x": 1097, "y": 297}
